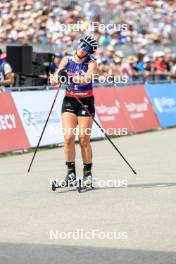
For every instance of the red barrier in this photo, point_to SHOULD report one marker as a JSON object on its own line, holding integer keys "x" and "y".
{"x": 110, "y": 110}
{"x": 119, "y": 110}
{"x": 138, "y": 108}
{"x": 12, "y": 134}
{"x": 125, "y": 108}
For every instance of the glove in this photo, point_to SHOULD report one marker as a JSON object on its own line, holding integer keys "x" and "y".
{"x": 63, "y": 76}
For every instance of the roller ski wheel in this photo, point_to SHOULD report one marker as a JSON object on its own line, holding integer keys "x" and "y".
{"x": 85, "y": 185}
{"x": 54, "y": 186}
{"x": 63, "y": 184}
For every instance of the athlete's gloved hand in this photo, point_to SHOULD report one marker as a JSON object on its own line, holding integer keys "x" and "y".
{"x": 59, "y": 77}
{"x": 63, "y": 76}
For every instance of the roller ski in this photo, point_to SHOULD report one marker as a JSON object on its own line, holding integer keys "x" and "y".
{"x": 66, "y": 183}
{"x": 70, "y": 180}
{"x": 86, "y": 184}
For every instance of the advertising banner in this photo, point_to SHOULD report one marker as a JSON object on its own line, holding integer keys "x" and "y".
{"x": 118, "y": 111}
{"x": 109, "y": 109}
{"x": 33, "y": 108}
{"x": 125, "y": 109}
{"x": 163, "y": 98}
{"x": 137, "y": 108}
{"x": 12, "y": 133}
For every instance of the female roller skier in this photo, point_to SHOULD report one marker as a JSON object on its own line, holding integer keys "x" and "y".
{"x": 79, "y": 70}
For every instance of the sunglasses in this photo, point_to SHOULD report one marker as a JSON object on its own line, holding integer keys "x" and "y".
{"x": 85, "y": 47}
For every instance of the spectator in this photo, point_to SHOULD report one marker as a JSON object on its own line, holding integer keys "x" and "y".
{"x": 160, "y": 66}
{"x": 173, "y": 68}
{"x": 140, "y": 60}
{"x": 115, "y": 68}
{"x": 128, "y": 67}
{"x": 168, "y": 59}
{"x": 103, "y": 68}
{"x": 55, "y": 62}
{"x": 109, "y": 54}
{"x": 148, "y": 69}
{"x": 6, "y": 74}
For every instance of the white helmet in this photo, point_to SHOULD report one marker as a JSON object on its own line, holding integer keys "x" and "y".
{"x": 90, "y": 41}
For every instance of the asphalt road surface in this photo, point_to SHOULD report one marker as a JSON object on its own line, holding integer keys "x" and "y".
{"x": 131, "y": 221}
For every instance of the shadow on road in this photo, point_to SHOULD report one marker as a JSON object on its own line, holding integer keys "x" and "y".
{"x": 46, "y": 254}
{"x": 143, "y": 185}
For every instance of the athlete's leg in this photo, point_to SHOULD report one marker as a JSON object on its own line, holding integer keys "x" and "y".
{"x": 85, "y": 126}
{"x": 69, "y": 123}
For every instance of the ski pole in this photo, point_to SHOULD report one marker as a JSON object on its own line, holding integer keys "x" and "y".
{"x": 106, "y": 135}
{"x": 35, "y": 152}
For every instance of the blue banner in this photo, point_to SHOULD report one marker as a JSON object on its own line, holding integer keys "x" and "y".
{"x": 163, "y": 99}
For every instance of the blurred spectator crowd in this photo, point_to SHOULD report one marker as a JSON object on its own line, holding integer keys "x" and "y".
{"x": 148, "y": 22}
{"x": 38, "y": 21}
{"x": 159, "y": 66}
